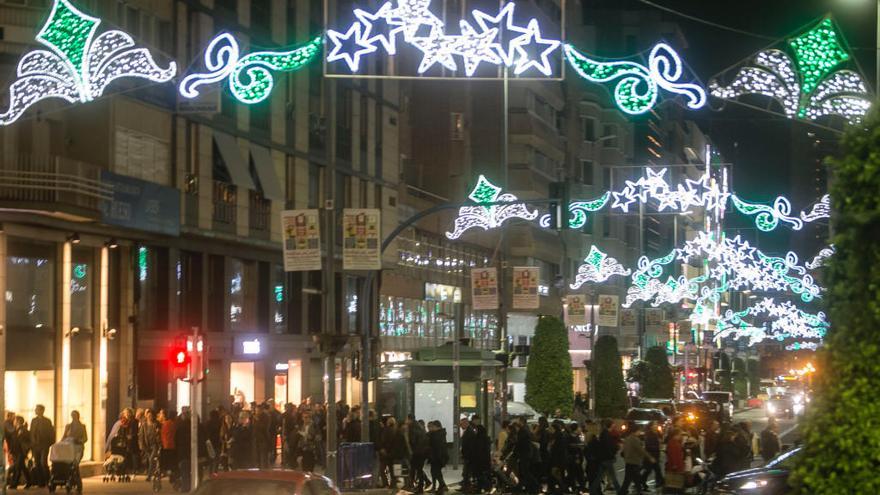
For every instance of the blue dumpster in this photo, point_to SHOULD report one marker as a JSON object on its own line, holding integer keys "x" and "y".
{"x": 354, "y": 465}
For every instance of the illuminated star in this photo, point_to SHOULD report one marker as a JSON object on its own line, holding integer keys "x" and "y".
{"x": 435, "y": 48}
{"x": 349, "y": 47}
{"x": 533, "y": 37}
{"x": 622, "y": 200}
{"x": 380, "y": 23}
{"x": 475, "y": 47}
{"x": 503, "y": 22}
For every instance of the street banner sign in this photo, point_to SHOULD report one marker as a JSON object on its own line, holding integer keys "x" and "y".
{"x": 628, "y": 321}
{"x": 301, "y": 240}
{"x": 654, "y": 319}
{"x": 575, "y": 310}
{"x": 361, "y": 245}
{"x": 525, "y": 287}
{"x": 484, "y": 288}
{"x": 609, "y": 308}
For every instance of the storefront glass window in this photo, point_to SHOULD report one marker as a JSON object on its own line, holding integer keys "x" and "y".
{"x": 26, "y": 389}
{"x": 242, "y": 295}
{"x": 241, "y": 382}
{"x": 30, "y": 287}
{"x": 400, "y": 316}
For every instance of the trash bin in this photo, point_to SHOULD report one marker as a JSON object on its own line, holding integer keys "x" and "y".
{"x": 355, "y": 464}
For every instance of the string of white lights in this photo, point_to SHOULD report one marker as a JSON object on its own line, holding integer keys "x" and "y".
{"x": 488, "y": 217}
{"x": 598, "y": 267}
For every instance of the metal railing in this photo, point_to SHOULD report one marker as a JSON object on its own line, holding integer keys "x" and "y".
{"x": 224, "y": 199}
{"x": 259, "y": 212}
{"x": 52, "y": 179}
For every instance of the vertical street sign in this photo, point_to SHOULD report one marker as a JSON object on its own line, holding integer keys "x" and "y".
{"x": 301, "y": 240}
{"x": 361, "y": 243}
{"x": 525, "y": 287}
{"x": 484, "y": 288}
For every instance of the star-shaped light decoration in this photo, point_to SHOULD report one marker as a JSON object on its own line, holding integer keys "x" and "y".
{"x": 379, "y": 29}
{"x": 475, "y": 47}
{"x": 533, "y": 39}
{"x": 492, "y": 216}
{"x": 503, "y": 23}
{"x": 436, "y": 48}
{"x": 350, "y": 46}
{"x": 598, "y": 267}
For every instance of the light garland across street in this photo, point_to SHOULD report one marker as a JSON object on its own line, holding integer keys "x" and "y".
{"x": 488, "y": 217}
{"x": 785, "y": 321}
{"x": 79, "y": 65}
{"x": 598, "y": 267}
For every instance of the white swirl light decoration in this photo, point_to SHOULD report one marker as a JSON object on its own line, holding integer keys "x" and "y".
{"x": 598, "y": 267}
{"x": 78, "y": 66}
{"x": 803, "y": 346}
{"x": 666, "y": 68}
{"x": 220, "y": 59}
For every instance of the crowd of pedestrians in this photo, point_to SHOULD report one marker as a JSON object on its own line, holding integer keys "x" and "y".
{"x": 27, "y": 447}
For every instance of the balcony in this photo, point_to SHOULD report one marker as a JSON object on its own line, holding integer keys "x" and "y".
{"x": 259, "y": 213}
{"x": 52, "y": 183}
{"x": 224, "y": 200}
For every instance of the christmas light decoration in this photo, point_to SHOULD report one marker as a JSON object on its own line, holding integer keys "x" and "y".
{"x": 784, "y": 319}
{"x": 820, "y": 258}
{"x": 488, "y": 217}
{"x": 250, "y": 77}
{"x": 580, "y": 211}
{"x": 704, "y": 193}
{"x": 769, "y": 217}
{"x": 820, "y": 210}
{"x": 804, "y": 85}
{"x": 490, "y": 41}
{"x": 744, "y": 266}
{"x": 79, "y": 66}
{"x": 598, "y": 267}
{"x": 802, "y": 346}
{"x": 637, "y": 90}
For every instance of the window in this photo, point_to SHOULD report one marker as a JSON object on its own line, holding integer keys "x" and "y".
{"x": 589, "y": 128}
{"x": 587, "y": 172}
{"x": 142, "y": 156}
{"x": 30, "y": 289}
{"x": 315, "y": 173}
{"x": 81, "y": 281}
{"x": 606, "y": 178}
{"x": 609, "y": 136}
{"x": 242, "y": 295}
{"x": 278, "y": 300}
{"x": 457, "y": 126}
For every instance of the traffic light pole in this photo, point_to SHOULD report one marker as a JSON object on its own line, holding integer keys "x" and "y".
{"x": 195, "y": 372}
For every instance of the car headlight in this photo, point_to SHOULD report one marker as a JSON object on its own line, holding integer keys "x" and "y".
{"x": 799, "y": 398}
{"x": 753, "y": 485}
{"x": 798, "y": 408}
{"x": 771, "y": 408}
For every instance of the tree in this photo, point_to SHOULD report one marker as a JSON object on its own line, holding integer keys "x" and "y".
{"x": 611, "y": 400}
{"x": 753, "y": 367}
{"x": 840, "y": 440}
{"x": 549, "y": 372}
{"x": 657, "y": 380}
{"x": 739, "y": 378}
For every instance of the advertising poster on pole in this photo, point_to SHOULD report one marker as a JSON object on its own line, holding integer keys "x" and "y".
{"x": 361, "y": 246}
{"x": 525, "y": 287}
{"x": 654, "y": 319}
{"x": 575, "y": 310}
{"x": 609, "y": 310}
{"x": 301, "y": 232}
{"x": 628, "y": 321}
{"x": 484, "y": 288}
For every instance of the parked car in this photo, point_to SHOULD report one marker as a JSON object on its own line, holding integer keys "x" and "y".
{"x": 267, "y": 483}
{"x": 724, "y": 399}
{"x": 771, "y": 479}
{"x": 782, "y": 406}
{"x": 642, "y": 417}
{"x": 698, "y": 413}
{"x": 665, "y": 405}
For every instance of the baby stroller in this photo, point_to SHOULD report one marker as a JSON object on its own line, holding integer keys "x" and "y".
{"x": 65, "y": 456}
{"x": 116, "y": 466}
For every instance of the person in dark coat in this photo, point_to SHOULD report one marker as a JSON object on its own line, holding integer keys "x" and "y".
{"x": 290, "y": 437}
{"x": 19, "y": 448}
{"x": 769, "y": 441}
{"x": 523, "y": 450}
{"x": 606, "y": 456}
{"x": 481, "y": 456}
{"x": 42, "y": 437}
{"x": 420, "y": 449}
{"x": 557, "y": 451}
{"x": 438, "y": 456}
{"x": 387, "y": 451}
{"x": 242, "y": 452}
{"x": 652, "y": 463}
{"x": 727, "y": 455}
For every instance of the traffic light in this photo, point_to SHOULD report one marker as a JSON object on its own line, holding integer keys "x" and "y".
{"x": 179, "y": 359}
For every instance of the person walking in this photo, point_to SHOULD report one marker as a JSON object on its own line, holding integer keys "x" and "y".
{"x": 420, "y": 449}
{"x": 168, "y": 454}
{"x": 438, "y": 456}
{"x": 243, "y": 451}
{"x": 262, "y": 426}
{"x": 150, "y": 442}
{"x": 75, "y": 431}
{"x": 525, "y": 451}
{"x": 19, "y": 449}
{"x": 634, "y": 455}
{"x": 606, "y": 454}
{"x": 42, "y": 437}
{"x": 557, "y": 449}
{"x": 652, "y": 462}
{"x": 675, "y": 467}
{"x": 770, "y": 441}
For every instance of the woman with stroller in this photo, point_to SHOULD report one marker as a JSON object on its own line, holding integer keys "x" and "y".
{"x": 75, "y": 432}
{"x": 18, "y": 450}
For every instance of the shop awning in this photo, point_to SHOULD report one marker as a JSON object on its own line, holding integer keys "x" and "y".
{"x": 235, "y": 163}
{"x": 266, "y": 173}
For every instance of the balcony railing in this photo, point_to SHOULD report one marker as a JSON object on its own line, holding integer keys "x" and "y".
{"x": 259, "y": 212}
{"x": 52, "y": 180}
{"x": 224, "y": 196}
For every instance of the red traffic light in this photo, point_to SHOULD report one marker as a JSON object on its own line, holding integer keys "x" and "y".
{"x": 179, "y": 358}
